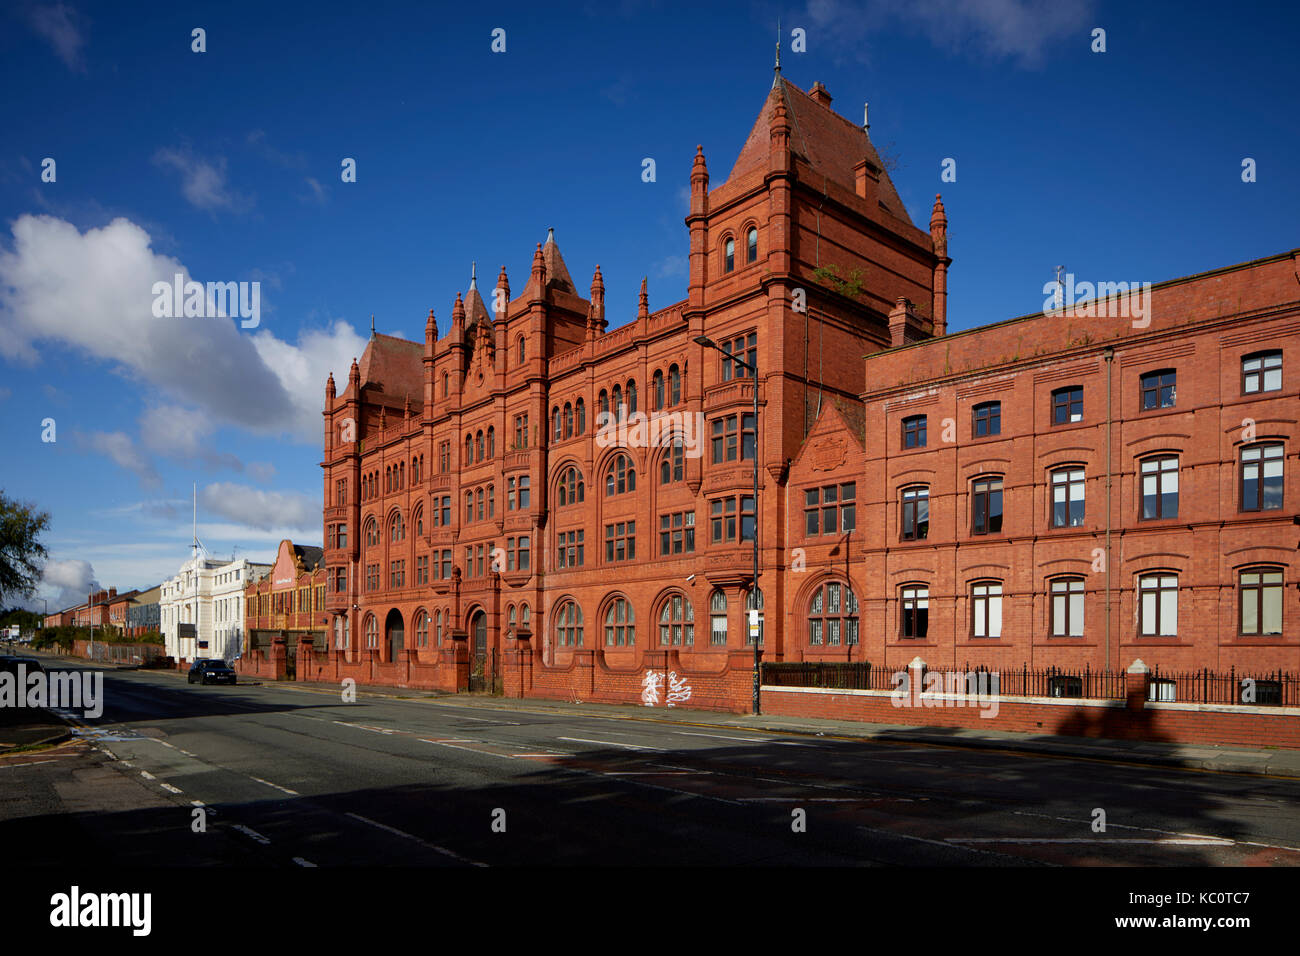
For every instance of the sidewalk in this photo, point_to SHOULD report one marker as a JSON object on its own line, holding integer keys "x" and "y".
{"x": 29, "y": 728}
{"x": 1278, "y": 763}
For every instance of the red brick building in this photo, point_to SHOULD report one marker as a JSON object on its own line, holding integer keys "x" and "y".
{"x": 470, "y": 491}
{"x": 287, "y": 603}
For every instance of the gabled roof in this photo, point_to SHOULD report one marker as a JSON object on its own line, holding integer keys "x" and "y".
{"x": 828, "y": 142}
{"x": 396, "y": 364}
{"x": 837, "y": 437}
{"x": 309, "y": 555}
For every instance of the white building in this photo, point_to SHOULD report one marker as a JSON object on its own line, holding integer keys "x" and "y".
{"x": 202, "y": 607}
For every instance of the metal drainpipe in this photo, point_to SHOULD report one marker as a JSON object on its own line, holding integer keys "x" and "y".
{"x": 1110, "y": 358}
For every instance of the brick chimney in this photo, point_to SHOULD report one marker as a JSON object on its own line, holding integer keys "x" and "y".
{"x": 820, "y": 95}
{"x": 900, "y": 318}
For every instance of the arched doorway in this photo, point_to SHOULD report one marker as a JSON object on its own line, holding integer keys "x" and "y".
{"x": 478, "y": 651}
{"x": 394, "y": 632}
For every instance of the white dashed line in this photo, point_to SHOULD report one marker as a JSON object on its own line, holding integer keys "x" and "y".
{"x": 301, "y": 862}
{"x": 168, "y": 787}
{"x": 612, "y": 743}
{"x": 292, "y": 793}
{"x": 402, "y": 833}
{"x": 252, "y": 833}
{"x": 748, "y": 740}
{"x": 146, "y": 774}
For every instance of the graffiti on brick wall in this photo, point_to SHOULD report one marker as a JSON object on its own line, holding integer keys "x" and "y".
{"x": 653, "y": 684}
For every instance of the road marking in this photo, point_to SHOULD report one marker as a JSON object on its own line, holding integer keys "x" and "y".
{"x": 489, "y": 720}
{"x": 292, "y": 793}
{"x": 748, "y": 740}
{"x": 807, "y": 799}
{"x": 611, "y": 743}
{"x": 473, "y": 750}
{"x": 252, "y": 833}
{"x": 30, "y": 763}
{"x": 448, "y": 740}
{"x": 553, "y": 754}
{"x": 409, "y": 836}
{"x": 647, "y": 773}
{"x": 1162, "y": 841}
{"x": 942, "y": 843}
{"x": 301, "y": 862}
{"x": 170, "y": 788}
{"x": 145, "y": 773}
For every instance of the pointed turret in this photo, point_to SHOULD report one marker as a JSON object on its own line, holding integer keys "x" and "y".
{"x": 539, "y": 267}
{"x": 354, "y": 378}
{"x": 697, "y": 223}
{"x": 430, "y": 330}
{"x": 556, "y": 273}
{"x": 643, "y": 302}
{"x": 503, "y": 294}
{"x": 475, "y": 310}
{"x": 329, "y": 390}
{"x": 596, "y": 311}
{"x": 458, "y": 316}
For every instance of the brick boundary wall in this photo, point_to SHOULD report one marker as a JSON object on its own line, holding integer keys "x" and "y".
{"x": 1133, "y": 719}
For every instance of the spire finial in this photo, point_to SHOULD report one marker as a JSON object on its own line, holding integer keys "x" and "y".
{"x": 372, "y": 323}
{"x": 473, "y": 275}
{"x": 777, "y": 78}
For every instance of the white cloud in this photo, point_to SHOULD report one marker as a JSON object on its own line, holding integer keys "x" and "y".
{"x": 262, "y": 471}
{"x": 203, "y": 182}
{"x": 92, "y": 292}
{"x": 1019, "y": 30}
{"x": 122, "y": 450}
{"x": 260, "y": 509}
{"x": 58, "y": 23}
{"x": 64, "y": 584}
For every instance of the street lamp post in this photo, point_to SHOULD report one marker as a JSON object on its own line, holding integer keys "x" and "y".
{"x": 753, "y": 371}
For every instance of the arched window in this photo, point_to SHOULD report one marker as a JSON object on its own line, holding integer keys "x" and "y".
{"x": 570, "y": 489}
{"x": 568, "y": 625}
{"x": 522, "y": 351}
{"x": 469, "y": 506}
{"x": 718, "y": 618}
{"x": 729, "y": 255}
{"x": 444, "y": 384}
{"x": 657, "y": 391}
{"x": 401, "y": 475}
{"x": 1261, "y": 477}
{"x": 833, "y": 615}
{"x": 619, "y": 408}
{"x": 372, "y": 631}
{"x": 555, "y": 423}
{"x": 525, "y": 617}
{"x": 422, "y": 628}
{"x": 751, "y": 245}
{"x": 677, "y": 622}
{"x": 510, "y": 616}
{"x": 621, "y": 477}
{"x": 631, "y": 397}
{"x": 419, "y": 522}
{"x": 469, "y": 449}
{"x": 620, "y": 628}
{"x": 674, "y": 385}
{"x": 437, "y": 627}
{"x": 397, "y": 531}
{"x": 372, "y": 533}
{"x": 1260, "y": 598}
{"x": 478, "y": 503}
{"x": 338, "y": 632}
{"x": 602, "y": 409}
{"x": 491, "y": 442}
{"x": 568, "y": 420}
{"x": 986, "y": 609}
{"x": 492, "y": 501}
{"x": 671, "y": 468}
{"x": 478, "y": 446}
{"x": 581, "y": 410}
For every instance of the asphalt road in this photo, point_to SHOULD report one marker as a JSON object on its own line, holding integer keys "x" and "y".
{"x": 287, "y": 776}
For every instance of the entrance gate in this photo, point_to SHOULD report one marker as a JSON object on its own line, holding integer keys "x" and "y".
{"x": 478, "y": 677}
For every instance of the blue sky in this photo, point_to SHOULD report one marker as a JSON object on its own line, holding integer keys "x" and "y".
{"x": 1122, "y": 165}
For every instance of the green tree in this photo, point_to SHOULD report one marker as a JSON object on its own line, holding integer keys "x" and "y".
{"x": 22, "y": 556}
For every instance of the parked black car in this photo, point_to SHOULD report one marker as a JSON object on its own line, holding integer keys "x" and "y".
{"x": 211, "y": 670}
{"x": 30, "y": 665}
